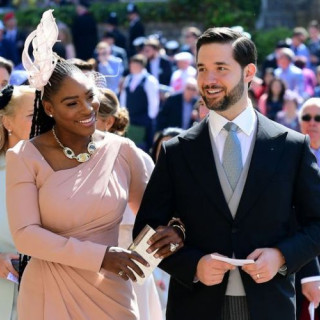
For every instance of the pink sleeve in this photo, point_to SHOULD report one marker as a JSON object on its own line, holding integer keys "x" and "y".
{"x": 140, "y": 174}
{"x": 25, "y": 224}
{"x": 262, "y": 104}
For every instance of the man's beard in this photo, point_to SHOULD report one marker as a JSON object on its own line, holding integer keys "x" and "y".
{"x": 227, "y": 101}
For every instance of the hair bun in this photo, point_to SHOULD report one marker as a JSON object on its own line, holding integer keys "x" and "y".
{"x": 5, "y": 96}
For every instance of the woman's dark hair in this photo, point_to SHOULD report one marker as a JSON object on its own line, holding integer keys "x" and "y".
{"x": 41, "y": 122}
{"x": 270, "y": 93}
{"x": 167, "y": 132}
{"x": 244, "y": 50}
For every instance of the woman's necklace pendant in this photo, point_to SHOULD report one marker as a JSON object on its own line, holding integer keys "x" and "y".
{"x": 69, "y": 153}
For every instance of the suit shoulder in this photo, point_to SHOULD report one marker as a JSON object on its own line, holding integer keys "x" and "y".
{"x": 275, "y": 128}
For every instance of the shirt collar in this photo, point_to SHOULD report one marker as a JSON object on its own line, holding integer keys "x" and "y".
{"x": 246, "y": 121}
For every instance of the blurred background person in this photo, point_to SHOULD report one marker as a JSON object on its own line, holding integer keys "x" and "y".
{"x": 271, "y": 102}
{"x": 140, "y": 95}
{"x": 177, "y": 110}
{"x": 190, "y": 36}
{"x": 111, "y": 25}
{"x": 109, "y": 66}
{"x": 289, "y": 116}
{"x": 184, "y": 61}
{"x": 7, "y": 47}
{"x": 310, "y": 124}
{"x": 109, "y": 37}
{"x": 84, "y": 31}
{"x": 314, "y": 44}
{"x": 16, "y": 111}
{"x": 288, "y": 72}
{"x": 309, "y": 118}
{"x": 157, "y": 64}
{"x": 6, "y": 67}
{"x": 14, "y": 34}
{"x": 298, "y": 46}
{"x": 309, "y": 77}
{"x": 111, "y": 117}
{"x": 136, "y": 27}
{"x": 66, "y": 40}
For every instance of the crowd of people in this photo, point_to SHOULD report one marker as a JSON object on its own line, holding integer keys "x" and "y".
{"x": 82, "y": 134}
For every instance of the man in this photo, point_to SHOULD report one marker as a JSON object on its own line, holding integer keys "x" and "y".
{"x": 178, "y": 109}
{"x": 158, "y": 65}
{"x": 288, "y": 72}
{"x": 239, "y": 182}
{"x": 84, "y": 31}
{"x": 140, "y": 95}
{"x": 310, "y": 125}
{"x": 136, "y": 27}
{"x": 111, "y": 25}
{"x": 14, "y": 34}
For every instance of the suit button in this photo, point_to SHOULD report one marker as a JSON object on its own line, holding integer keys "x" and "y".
{"x": 234, "y": 230}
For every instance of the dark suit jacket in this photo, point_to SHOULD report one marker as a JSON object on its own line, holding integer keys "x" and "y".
{"x": 283, "y": 175}
{"x": 165, "y": 70}
{"x": 170, "y": 114}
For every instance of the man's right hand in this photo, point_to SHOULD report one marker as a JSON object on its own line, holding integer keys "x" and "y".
{"x": 211, "y": 271}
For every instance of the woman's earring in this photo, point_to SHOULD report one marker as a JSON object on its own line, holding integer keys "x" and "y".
{"x": 50, "y": 115}
{"x": 9, "y": 132}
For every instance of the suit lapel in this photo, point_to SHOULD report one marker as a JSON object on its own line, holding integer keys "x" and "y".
{"x": 198, "y": 152}
{"x": 267, "y": 150}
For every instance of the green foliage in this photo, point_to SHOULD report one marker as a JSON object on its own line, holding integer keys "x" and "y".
{"x": 206, "y": 12}
{"x": 266, "y": 40}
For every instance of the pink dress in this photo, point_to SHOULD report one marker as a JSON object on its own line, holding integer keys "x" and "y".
{"x": 65, "y": 220}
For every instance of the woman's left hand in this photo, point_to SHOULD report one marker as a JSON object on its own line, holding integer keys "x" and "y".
{"x": 167, "y": 240}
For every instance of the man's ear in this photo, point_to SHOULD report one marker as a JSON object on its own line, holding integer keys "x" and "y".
{"x": 48, "y": 108}
{"x": 249, "y": 72}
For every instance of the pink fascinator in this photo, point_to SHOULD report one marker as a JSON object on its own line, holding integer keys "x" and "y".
{"x": 44, "y": 60}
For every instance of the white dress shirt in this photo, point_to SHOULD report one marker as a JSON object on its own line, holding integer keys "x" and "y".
{"x": 151, "y": 87}
{"x": 246, "y": 121}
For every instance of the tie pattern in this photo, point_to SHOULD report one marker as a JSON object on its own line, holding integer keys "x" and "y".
{"x": 232, "y": 158}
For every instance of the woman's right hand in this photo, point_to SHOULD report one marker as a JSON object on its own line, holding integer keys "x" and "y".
{"x": 6, "y": 265}
{"x": 121, "y": 262}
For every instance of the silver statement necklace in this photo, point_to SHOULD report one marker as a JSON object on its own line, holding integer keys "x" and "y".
{"x": 69, "y": 153}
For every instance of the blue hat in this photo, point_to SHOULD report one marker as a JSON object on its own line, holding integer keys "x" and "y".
{"x": 132, "y": 8}
{"x": 113, "y": 19}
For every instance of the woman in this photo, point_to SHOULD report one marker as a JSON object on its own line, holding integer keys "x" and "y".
{"x": 16, "y": 111}
{"x": 75, "y": 183}
{"x": 6, "y": 67}
{"x": 112, "y": 118}
{"x": 271, "y": 102}
{"x": 289, "y": 116}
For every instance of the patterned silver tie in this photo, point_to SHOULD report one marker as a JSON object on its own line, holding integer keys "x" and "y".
{"x": 232, "y": 158}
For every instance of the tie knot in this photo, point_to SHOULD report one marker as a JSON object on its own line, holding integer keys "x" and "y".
{"x": 230, "y": 126}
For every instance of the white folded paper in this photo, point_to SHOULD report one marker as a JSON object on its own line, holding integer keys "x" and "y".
{"x": 140, "y": 246}
{"x": 12, "y": 278}
{"x": 235, "y": 262}
{"x": 311, "y": 310}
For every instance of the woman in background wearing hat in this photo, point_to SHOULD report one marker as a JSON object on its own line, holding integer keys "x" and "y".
{"x": 16, "y": 111}
{"x": 184, "y": 61}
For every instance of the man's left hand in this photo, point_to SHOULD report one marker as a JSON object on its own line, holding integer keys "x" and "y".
{"x": 311, "y": 290}
{"x": 267, "y": 264}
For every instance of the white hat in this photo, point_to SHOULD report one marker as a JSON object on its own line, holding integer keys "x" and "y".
{"x": 183, "y": 56}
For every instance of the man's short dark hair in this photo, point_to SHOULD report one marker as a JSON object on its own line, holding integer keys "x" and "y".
{"x": 244, "y": 50}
